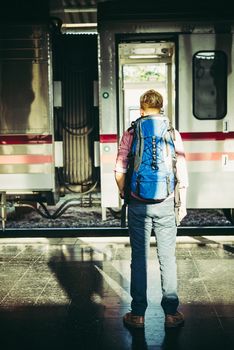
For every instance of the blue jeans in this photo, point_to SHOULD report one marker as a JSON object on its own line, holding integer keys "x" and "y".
{"x": 142, "y": 218}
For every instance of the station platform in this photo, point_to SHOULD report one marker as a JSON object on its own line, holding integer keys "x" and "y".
{"x": 71, "y": 293}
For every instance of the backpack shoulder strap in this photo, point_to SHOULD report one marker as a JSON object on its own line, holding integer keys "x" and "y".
{"x": 128, "y": 176}
{"x": 133, "y": 125}
{"x": 177, "y": 183}
{"x": 172, "y": 131}
{"x": 131, "y": 128}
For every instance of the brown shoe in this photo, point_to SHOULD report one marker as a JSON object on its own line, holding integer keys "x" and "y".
{"x": 133, "y": 321}
{"x": 172, "y": 321}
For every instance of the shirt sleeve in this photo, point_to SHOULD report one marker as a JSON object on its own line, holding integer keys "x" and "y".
{"x": 121, "y": 163}
{"x": 181, "y": 166}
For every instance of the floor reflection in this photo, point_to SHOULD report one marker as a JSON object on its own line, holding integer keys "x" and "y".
{"x": 138, "y": 339}
{"x": 71, "y": 293}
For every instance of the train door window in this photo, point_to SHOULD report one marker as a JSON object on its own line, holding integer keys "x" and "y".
{"x": 210, "y": 85}
{"x": 144, "y": 66}
{"x": 137, "y": 78}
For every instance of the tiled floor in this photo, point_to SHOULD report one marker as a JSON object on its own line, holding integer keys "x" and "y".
{"x": 71, "y": 293}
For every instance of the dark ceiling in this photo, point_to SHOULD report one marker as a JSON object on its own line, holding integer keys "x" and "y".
{"x": 74, "y": 11}
{"x": 76, "y": 15}
{"x": 81, "y": 15}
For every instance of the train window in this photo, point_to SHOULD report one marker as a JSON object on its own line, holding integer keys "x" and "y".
{"x": 210, "y": 85}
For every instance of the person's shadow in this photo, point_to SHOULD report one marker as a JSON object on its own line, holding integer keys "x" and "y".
{"x": 138, "y": 339}
{"x": 83, "y": 285}
{"x": 171, "y": 339}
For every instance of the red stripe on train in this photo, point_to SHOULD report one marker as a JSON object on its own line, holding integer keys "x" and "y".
{"x": 186, "y": 136}
{"x": 26, "y": 159}
{"x": 108, "y": 138}
{"x": 213, "y": 135}
{"x": 209, "y": 156}
{"x": 28, "y": 139}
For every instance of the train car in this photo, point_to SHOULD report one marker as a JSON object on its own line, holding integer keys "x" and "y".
{"x": 188, "y": 57}
{"x": 28, "y": 151}
{"x": 48, "y": 116}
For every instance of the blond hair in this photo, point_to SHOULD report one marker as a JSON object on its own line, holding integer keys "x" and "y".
{"x": 151, "y": 99}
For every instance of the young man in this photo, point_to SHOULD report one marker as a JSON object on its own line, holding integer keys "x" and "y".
{"x": 145, "y": 215}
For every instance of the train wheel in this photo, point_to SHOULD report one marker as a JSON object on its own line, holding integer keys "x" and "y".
{"x": 229, "y": 213}
{"x": 116, "y": 212}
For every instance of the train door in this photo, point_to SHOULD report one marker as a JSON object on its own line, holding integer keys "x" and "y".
{"x": 144, "y": 66}
{"x": 206, "y": 123}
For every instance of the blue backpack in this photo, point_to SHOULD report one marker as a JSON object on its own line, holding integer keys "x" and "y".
{"x": 152, "y": 160}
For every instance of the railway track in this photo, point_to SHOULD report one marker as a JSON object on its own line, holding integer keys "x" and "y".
{"x": 109, "y": 231}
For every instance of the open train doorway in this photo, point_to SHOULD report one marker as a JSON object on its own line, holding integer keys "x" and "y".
{"x": 144, "y": 66}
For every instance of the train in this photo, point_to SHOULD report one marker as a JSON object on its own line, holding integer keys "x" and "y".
{"x": 60, "y": 126}
{"x": 188, "y": 57}
{"x": 48, "y": 120}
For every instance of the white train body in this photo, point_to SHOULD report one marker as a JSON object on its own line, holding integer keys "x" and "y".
{"x": 197, "y": 84}
{"x": 27, "y": 147}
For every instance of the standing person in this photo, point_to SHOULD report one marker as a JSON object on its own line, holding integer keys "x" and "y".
{"x": 159, "y": 215}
